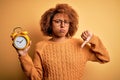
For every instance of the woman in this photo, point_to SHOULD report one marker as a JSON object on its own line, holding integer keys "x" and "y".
{"x": 61, "y": 57}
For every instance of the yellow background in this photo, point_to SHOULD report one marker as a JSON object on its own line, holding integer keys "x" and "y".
{"x": 102, "y": 17}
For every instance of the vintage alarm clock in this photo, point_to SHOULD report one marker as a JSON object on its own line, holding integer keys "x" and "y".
{"x": 20, "y": 38}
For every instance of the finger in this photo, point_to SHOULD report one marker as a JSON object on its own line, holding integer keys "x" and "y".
{"x": 27, "y": 48}
{"x": 89, "y": 36}
{"x": 29, "y": 44}
{"x": 86, "y": 33}
{"x": 90, "y": 33}
{"x": 83, "y": 37}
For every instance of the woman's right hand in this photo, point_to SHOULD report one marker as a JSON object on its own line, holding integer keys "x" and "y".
{"x": 24, "y": 51}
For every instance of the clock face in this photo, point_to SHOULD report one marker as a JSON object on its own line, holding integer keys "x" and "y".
{"x": 20, "y": 42}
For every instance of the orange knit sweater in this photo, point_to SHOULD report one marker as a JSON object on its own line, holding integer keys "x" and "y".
{"x": 62, "y": 60}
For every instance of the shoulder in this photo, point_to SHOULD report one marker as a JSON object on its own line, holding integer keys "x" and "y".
{"x": 40, "y": 45}
{"x": 76, "y": 40}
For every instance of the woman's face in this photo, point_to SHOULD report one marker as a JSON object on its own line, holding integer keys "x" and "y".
{"x": 60, "y": 25}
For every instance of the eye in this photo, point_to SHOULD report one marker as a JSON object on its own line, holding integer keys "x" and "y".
{"x": 66, "y": 22}
{"x": 57, "y": 21}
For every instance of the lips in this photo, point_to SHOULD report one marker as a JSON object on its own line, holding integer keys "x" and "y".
{"x": 62, "y": 31}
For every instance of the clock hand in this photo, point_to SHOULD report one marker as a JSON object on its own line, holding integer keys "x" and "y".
{"x": 21, "y": 41}
{"x": 18, "y": 41}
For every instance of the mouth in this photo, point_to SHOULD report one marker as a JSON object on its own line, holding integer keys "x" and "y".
{"x": 62, "y": 31}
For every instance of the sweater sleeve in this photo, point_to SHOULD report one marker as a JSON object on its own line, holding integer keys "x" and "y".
{"x": 96, "y": 51}
{"x": 32, "y": 69}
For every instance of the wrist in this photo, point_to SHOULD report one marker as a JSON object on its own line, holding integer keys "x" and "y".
{"x": 22, "y": 52}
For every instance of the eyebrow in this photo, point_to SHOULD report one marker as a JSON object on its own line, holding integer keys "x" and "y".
{"x": 61, "y": 19}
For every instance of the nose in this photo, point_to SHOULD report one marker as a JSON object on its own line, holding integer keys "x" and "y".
{"x": 62, "y": 24}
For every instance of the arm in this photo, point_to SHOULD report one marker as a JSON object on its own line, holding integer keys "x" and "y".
{"x": 32, "y": 69}
{"x": 96, "y": 51}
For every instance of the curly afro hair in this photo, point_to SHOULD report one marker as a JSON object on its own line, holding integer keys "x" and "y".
{"x": 46, "y": 19}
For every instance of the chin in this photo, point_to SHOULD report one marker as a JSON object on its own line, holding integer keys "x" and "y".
{"x": 62, "y": 35}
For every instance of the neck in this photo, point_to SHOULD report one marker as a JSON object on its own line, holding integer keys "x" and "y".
{"x": 58, "y": 39}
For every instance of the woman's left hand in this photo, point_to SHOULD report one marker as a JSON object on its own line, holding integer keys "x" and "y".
{"x": 86, "y": 35}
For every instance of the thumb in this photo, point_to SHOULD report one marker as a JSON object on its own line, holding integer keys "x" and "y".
{"x": 24, "y": 51}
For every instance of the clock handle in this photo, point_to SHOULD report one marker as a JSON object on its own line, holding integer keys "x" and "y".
{"x": 17, "y": 29}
